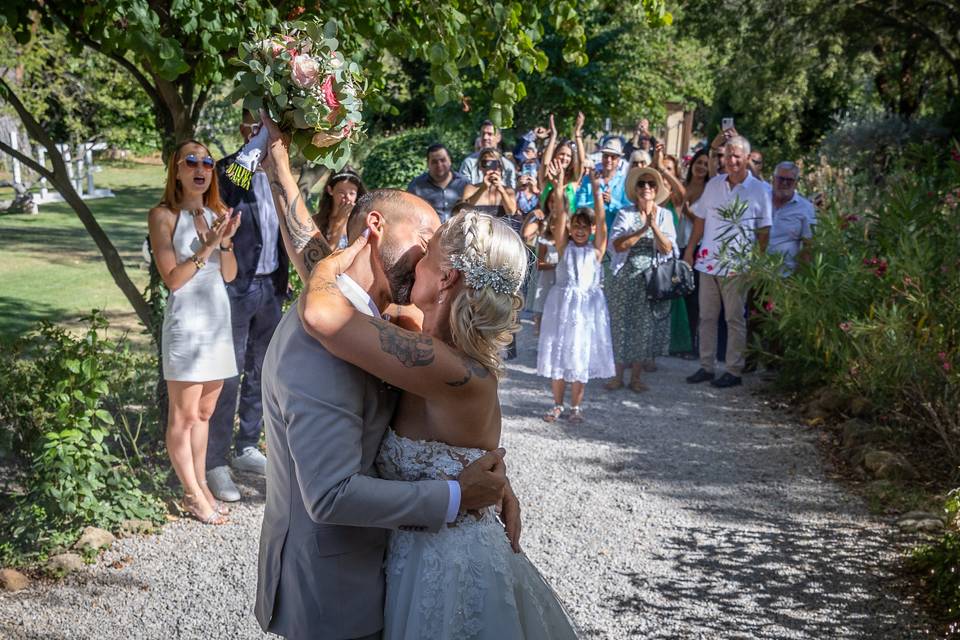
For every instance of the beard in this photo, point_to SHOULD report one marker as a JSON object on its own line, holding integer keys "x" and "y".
{"x": 399, "y": 271}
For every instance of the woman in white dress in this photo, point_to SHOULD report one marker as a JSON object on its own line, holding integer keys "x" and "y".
{"x": 191, "y": 233}
{"x": 464, "y": 582}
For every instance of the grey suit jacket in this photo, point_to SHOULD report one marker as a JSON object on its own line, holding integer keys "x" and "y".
{"x": 326, "y": 516}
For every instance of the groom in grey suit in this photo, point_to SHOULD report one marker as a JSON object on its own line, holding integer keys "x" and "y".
{"x": 327, "y": 513}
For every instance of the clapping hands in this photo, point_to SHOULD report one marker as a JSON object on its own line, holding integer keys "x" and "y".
{"x": 224, "y": 227}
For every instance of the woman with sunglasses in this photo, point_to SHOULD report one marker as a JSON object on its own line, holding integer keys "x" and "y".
{"x": 191, "y": 233}
{"x": 641, "y": 235}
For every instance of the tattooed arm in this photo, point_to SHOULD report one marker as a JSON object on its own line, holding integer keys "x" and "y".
{"x": 304, "y": 243}
{"x": 408, "y": 360}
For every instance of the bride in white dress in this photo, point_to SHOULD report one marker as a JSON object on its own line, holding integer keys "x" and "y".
{"x": 465, "y": 581}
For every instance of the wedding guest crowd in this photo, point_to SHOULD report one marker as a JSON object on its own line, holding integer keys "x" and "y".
{"x": 594, "y": 223}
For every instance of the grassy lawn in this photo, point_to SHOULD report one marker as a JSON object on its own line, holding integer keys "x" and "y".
{"x": 50, "y": 268}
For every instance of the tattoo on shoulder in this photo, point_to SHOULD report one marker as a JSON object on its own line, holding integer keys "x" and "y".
{"x": 410, "y": 348}
{"x": 471, "y": 368}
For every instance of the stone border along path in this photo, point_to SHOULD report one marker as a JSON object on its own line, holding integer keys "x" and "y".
{"x": 685, "y": 512}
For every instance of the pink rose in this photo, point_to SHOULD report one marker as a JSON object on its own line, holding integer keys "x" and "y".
{"x": 328, "y": 95}
{"x": 304, "y": 70}
{"x": 348, "y": 128}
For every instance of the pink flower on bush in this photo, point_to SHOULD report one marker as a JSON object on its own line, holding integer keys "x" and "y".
{"x": 955, "y": 154}
{"x": 328, "y": 94}
{"x": 845, "y": 326}
{"x": 769, "y": 306}
{"x": 304, "y": 70}
{"x": 946, "y": 366}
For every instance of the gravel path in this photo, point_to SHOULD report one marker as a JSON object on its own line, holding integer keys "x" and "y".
{"x": 685, "y": 512}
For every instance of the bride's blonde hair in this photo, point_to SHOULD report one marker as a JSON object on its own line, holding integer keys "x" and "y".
{"x": 493, "y": 264}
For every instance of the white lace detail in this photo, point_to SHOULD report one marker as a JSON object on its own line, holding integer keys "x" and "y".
{"x": 463, "y": 581}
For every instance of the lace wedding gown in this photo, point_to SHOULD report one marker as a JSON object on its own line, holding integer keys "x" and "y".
{"x": 463, "y": 582}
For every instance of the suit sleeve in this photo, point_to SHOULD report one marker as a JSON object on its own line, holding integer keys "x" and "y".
{"x": 324, "y": 418}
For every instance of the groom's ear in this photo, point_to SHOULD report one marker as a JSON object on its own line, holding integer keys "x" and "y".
{"x": 375, "y": 224}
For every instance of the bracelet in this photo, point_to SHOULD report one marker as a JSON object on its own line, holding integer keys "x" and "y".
{"x": 198, "y": 261}
{"x": 228, "y": 248}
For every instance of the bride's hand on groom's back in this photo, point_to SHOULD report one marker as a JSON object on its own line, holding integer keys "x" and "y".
{"x": 482, "y": 482}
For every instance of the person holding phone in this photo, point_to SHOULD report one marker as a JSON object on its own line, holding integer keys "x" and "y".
{"x": 191, "y": 237}
{"x": 491, "y": 195}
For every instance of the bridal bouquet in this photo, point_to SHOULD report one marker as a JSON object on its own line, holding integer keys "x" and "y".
{"x": 307, "y": 86}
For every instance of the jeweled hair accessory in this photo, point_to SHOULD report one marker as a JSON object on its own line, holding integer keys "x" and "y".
{"x": 478, "y": 275}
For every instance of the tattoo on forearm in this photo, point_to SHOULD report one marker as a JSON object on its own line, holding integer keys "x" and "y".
{"x": 410, "y": 348}
{"x": 304, "y": 235}
{"x": 471, "y": 368}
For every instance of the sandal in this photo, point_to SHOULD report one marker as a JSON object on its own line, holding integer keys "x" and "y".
{"x": 218, "y": 506}
{"x": 638, "y": 387}
{"x": 553, "y": 414}
{"x": 614, "y": 384}
{"x": 575, "y": 416}
{"x": 190, "y": 506}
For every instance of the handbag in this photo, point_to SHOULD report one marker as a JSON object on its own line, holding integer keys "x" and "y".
{"x": 672, "y": 278}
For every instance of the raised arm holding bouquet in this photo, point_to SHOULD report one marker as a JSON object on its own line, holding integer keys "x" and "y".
{"x": 307, "y": 87}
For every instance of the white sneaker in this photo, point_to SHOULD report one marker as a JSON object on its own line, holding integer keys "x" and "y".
{"x": 221, "y": 484}
{"x": 251, "y": 460}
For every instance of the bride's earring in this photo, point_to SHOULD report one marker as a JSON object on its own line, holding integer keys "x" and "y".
{"x": 440, "y": 298}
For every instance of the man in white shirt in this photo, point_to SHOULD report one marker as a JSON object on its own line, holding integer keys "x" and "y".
{"x": 794, "y": 217}
{"x": 723, "y": 244}
{"x": 489, "y": 139}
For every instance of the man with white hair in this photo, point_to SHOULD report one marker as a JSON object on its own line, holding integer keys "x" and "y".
{"x": 723, "y": 241}
{"x": 793, "y": 217}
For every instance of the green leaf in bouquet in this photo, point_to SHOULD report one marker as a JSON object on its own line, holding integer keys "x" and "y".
{"x": 281, "y": 100}
{"x": 275, "y": 88}
{"x": 256, "y": 66}
{"x": 315, "y": 32}
{"x": 253, "y": 103}
{"x": 330, "y": 28}
{"x": 299, "y": 121}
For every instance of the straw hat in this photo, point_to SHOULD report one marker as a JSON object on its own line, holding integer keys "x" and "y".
{"x": 638, "y": 173}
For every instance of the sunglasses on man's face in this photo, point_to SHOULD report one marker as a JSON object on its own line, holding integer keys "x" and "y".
{"x": 193, "y": 161}
{"x": 785, "y": 179}
{"x": 646, "y": 183}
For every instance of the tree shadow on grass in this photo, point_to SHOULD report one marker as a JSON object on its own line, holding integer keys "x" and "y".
{"x": 57, "y": 234}
{"x": 17, "y": 316}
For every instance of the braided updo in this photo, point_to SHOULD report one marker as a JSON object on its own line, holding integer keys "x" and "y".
{"x": 482, "y": 320}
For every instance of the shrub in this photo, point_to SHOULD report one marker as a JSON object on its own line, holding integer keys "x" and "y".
{"x": 872, "y": 146}
{"x": 397, "y": 159}
{"x": 876, "y": 310}
{"x": 63, "y": 398}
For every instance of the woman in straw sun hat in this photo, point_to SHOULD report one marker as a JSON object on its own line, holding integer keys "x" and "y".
{"x": 642, "y": 234}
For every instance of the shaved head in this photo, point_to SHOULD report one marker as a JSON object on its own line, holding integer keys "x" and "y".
{"x": 409, "y": 223}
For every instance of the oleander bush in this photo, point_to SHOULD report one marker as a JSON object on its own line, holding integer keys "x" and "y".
{"x": 875, "y": 314}
{"x": 70, "y": 414}
{"x": 876, "y": 310}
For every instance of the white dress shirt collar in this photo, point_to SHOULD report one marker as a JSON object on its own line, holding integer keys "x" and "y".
{"x": 357, "y": 296}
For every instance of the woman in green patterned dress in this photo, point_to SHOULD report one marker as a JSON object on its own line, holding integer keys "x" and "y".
{"x": 641, "y": 235}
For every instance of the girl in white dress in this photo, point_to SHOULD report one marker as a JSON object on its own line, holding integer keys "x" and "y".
{"x": 575, "y": 343}
{"x": 191, "y": 233}
{"x": 464, "y": 581}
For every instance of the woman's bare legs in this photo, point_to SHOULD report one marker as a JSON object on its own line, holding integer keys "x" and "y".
{"x": 617, "y": 382}
{"x": 199, "y": 437}
{"x": 182, "y": 432}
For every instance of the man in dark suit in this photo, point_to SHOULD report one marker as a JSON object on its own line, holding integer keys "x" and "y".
{"x": 256, "y": 298}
